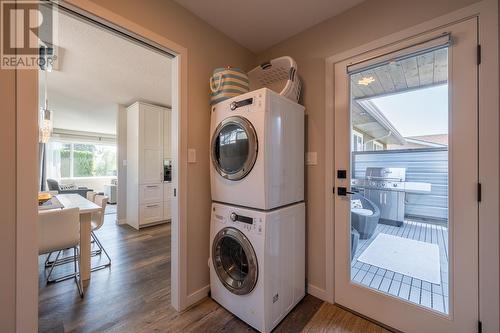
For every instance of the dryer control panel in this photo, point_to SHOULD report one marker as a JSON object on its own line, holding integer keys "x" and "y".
{"x": 240, "y": 221}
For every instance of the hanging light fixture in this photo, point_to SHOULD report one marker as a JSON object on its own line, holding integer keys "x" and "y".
{"x": 45, "y": 121}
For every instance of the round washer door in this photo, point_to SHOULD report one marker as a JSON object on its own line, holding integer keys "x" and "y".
{"x": 234, "y": 148}
{"x": 235, "y": 261}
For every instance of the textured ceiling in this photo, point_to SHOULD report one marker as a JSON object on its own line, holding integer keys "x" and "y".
{"x": 99, "y": 70}
{"x": 259, "y": 24}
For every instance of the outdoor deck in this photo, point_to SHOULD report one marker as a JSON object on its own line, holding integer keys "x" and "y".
{"x": 427, "y": 294}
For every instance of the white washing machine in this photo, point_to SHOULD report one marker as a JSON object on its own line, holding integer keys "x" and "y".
{"x": 257, "y": 262}
{"x": 257, "y": 150}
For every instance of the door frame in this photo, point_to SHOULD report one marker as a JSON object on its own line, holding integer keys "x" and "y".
{"x": 27, "y": 161}
{"x": 489, "y": 166}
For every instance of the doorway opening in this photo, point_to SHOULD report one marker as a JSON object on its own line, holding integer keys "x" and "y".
{"x": 98, "y": 82}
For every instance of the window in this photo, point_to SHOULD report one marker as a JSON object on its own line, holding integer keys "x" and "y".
{"x": 377, "y": 146}
{"x": 75, "y": 159}
{"x": 357, "y": 141}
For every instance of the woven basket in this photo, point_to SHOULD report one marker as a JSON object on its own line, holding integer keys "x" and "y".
{"x": 279, "y": 75}
{"x": 226, "y": 83}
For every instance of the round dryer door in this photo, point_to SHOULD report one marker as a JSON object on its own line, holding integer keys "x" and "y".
{"x": 235, "y": 261}
{"x": 234, "y": 148}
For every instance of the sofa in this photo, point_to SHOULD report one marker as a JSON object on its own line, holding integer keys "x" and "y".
{"x": 53, "y": 185}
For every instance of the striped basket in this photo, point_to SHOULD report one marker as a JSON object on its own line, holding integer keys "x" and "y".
{"x": 226, "y": 83}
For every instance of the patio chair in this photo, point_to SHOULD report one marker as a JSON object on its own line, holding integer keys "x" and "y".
{"x": 364, "y": 219}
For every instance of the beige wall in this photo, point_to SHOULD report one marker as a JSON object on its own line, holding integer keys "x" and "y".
{"x": 207, "y": 49}
{"x": 366, "y": 22}
{"x": 7, "y": 201}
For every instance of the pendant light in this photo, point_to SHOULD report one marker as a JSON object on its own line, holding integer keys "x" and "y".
{"x": 45, "y": 121}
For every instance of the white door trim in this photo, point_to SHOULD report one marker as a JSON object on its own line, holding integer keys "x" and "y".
{"x": 489, "y": 166}
{"x": 26, "y": 182}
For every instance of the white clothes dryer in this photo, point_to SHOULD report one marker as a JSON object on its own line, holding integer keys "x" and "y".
{"x": 257, "y": 150}
{"x": 257, "y": 262}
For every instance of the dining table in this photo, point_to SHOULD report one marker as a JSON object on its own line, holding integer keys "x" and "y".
{"x": 86, "y": 208}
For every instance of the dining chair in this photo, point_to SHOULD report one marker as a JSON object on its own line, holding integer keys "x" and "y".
{"x": 58, "y": 230}
{"x": 91, "y": 195}
{"x": 96, "y": 223}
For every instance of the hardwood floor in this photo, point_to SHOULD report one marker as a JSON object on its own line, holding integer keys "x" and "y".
{"x": 134, "y": 295}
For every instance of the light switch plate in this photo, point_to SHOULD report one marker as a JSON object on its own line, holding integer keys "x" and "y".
{"x": 191, "y": 155}
{"x": 311, "y": 158}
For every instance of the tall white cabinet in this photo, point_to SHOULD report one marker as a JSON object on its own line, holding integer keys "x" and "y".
{"x": 148, "y": 127}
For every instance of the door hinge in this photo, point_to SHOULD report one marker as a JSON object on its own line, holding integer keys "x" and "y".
{"x": 480, "y": 327}
{"x": 175, "y": 192}
{"x": 479, "y": 192}
{"x": 479, "y": 55}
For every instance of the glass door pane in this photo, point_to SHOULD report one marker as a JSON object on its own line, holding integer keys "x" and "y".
{"x": 399, "y": 166}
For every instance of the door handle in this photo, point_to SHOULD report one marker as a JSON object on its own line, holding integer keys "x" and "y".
{"x": 342, "y": 191}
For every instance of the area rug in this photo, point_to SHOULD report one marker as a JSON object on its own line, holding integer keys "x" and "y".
{"x": 406, "y": 256}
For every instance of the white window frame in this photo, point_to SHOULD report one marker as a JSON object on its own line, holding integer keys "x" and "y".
{"x": 72, "y": 159}
{"x": 377, "y": 146}
{"x": 354, "y": 143}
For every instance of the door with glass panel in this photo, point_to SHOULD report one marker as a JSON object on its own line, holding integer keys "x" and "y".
{"x": 406, "y": 209}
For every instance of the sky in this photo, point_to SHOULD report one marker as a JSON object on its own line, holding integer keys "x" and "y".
{"x": 418, "y": 112}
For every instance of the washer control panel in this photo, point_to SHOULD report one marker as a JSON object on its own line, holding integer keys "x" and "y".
{"x": 246, "y": 223}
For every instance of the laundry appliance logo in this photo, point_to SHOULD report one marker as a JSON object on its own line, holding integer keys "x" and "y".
{"x": 27, "y": 28}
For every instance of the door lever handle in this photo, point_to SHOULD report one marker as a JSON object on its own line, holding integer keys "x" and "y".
{"x": 342, "y": 191}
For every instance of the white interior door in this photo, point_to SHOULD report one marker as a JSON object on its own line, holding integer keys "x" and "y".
{"x": 406, "y": 133}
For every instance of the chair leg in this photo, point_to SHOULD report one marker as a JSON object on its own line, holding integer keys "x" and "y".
{"x": 62, "y": 261}
{"x": 48, "y": 263}
{"x": 52, "y": 268}
{"x": 78, "y": 277}
{"x": 104, "y": 250}
{"x": 57, "y": 262}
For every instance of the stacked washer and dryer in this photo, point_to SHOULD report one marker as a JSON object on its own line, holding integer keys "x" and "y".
{"x": 257, "y": 230}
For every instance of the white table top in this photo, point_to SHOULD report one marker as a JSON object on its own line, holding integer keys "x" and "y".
{"x": 77, "y": 201}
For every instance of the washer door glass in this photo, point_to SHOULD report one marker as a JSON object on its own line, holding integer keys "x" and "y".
{"x": 234, "y": 148}
{"x": 235, "y": 261}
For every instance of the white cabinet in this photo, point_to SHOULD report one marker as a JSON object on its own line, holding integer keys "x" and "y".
{"x": 151, "y": 193}
{"x": 151, "y": 213}
{"x": 167, "y": 139}
{"x": 146, "y": 139}
{"x": 167, "y": 201}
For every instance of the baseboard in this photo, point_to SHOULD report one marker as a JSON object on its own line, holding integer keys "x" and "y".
{"x": 317, "y": 292}
{"x": 121, "y": 221}
{"x": 197, "y": 295}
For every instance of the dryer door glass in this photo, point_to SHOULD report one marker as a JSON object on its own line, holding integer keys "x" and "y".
{"x": 235, "y": 261}
{"x": 234, "y": 148}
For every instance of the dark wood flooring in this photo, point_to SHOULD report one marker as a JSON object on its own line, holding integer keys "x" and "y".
{"x": 134, "y": 295}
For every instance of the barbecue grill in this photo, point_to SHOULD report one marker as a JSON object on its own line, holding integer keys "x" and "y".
{"x": 386, "y": 188}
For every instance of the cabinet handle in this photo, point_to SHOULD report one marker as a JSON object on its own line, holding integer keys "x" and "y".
{"x": 151, "y": 206}
{"x": 151, "y": 186}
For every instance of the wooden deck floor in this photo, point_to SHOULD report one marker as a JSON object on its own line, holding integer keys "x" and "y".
{"x": 434, "y": 296}
{"x": 134, "y": 296}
